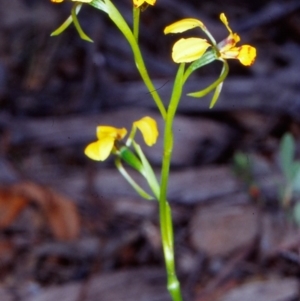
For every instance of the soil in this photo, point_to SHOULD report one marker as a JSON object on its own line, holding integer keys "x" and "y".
{"x": 73, "y": 229}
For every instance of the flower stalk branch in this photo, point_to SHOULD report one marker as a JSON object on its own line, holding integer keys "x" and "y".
{"x": 118, "y": 19}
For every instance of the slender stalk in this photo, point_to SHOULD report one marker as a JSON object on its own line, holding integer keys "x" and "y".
{"x": 136, "y": 22}
{"x": 118, "y": 19}
{"x": 168, "y": 133}
{"x": 164, "y": 208}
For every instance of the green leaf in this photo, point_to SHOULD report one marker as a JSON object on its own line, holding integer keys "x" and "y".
{"x": 287, "y": 153}
{"x": 242, "y": 161}
{"x": 296, "y": 213}
{"x": 296, "y": 177}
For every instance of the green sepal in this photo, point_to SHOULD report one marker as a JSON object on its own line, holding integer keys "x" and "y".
{"x": 99, "y": 4}
{"x": 66, "y": 24}
{"x": 73, "y": 18}
{"x": 77, "y": 25}
{"x": 216, "y": 95}
{"x": 215, "y": 85}
{"x": 130, "y": 158}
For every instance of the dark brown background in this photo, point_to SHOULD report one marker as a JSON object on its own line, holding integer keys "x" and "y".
{"x": 72, "y": 229}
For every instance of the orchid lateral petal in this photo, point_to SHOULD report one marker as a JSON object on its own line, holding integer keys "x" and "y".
{"x": 148, "y": 128}
{"x": 101, "y": 149}
{"x": 183, "y": 25}
{"x": 188, "y": 50}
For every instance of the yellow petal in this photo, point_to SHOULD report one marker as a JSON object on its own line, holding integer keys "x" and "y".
{"x": 151, "y": 2}
{"x": 229, "y": 42}
{"x": 225, "y": 22}
{"x": 183, "y": 25}
{"x": 188, "y": 50}
{"x": 148, "y": 128}
{"x": 100, "y": 150}
{"x": 110, "y": 131}
{"x": 138, "y": 3}
{"x": 247, "y": 55}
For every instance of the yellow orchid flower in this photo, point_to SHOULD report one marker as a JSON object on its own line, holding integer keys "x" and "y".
{"x": 107, "y": 136}
{"x": 245, "y": 54}
{"x": 138, "y": 3}
{"x": 101, "y": 149}
{"x": 191, "y": 49}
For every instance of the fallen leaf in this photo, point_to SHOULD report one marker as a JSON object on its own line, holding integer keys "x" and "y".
{"x": 11, "y": 204}
{"x": 60, "y": 211}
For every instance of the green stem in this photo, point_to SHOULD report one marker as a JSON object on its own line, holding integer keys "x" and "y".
{"x": 118, "y": 19}
{"x": 164, "y": 208}
{"x": 136, "y": 22}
